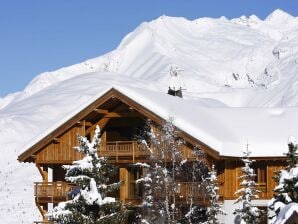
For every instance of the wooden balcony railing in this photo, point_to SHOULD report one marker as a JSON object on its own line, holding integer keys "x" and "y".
{"x": 132, "y": 150}
{"x": 191, "y": 190}
{"x": 51, "y": 192}
{"x": 117, "y": 149}
{"x": 187, "y": 191}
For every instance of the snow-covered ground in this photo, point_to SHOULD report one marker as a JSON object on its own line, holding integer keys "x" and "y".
{"x": 243, "y": 62}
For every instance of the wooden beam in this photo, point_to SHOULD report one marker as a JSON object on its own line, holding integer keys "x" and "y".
{"x": 101, "y": 111}
{"x": 122, "y": 114}
{"x": 105, "y": 119}
{"x": 56, "y": 140}
{"x": 80, "y": 123}
{"x": 88, "y": 124}
{"x": 101, "y": 123}
{"x": 124, "y": 187}
{"x": 41, "y": 172}
{"x": 41, "y": 210}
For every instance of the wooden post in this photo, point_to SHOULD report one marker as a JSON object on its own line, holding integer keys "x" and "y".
{"x": 43, "y": 172}
{"x": 124, "y": 178}
{"x": 46, "y": 174}
{"x": 40, "y": 171}
{"x": 116, "y": 151}
{"x": 104, "y": 137}
{"x": 133, "y": 152}
{"x": 92, "y": 134}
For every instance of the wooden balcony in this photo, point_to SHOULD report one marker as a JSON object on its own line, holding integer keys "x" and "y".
{"x": 117, "y": 151}
{"x": 187, "y": 191}
{"x": 122, "y": 150}
{"x": 191, "y": 190}
{"x": 131, "y": 151}
{"x": 51, "y": 192}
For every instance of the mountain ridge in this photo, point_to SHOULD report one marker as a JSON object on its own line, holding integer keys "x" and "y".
{"x": 244, "y": 50}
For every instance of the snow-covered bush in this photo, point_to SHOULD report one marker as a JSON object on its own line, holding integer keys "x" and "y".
{"x": 91, "y": 176}
{"x": 248, "y": 213}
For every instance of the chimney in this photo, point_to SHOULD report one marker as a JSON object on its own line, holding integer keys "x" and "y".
{"x": 175, "y": 84}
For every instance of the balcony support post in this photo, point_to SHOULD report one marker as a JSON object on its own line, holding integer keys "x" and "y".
{"x": 124, "y": 178}
{"x": 43, "y": 172}
{"x": 43, "y": 210}
{"x": 116, "y": 151}
{"x": 133, "y": 152}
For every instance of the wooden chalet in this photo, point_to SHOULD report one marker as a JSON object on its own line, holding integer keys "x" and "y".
{"x": 121, "y": 118}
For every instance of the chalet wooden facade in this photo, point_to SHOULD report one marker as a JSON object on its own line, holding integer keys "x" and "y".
{"x": 121, "y": 119}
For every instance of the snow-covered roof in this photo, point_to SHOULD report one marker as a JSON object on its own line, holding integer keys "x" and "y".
{"x": 225, "y": 129}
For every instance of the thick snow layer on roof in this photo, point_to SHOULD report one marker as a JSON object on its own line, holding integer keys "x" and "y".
{"x": 225, "y": 129}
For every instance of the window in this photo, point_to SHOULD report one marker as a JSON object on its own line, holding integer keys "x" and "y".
{"x": 262, "y": 174}
{"x": 260, "y": 170}
{"x": 135, "y": 190}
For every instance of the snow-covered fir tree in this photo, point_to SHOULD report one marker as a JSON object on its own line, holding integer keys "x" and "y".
{"x": 247, "y": 213}
{"x": 214, "y": 209}
{"x": 89, "y": 202}
{"x": 286, "y": 191}
{"x": 167, "y": 167}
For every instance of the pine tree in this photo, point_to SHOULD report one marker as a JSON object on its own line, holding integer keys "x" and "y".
{"x": 91, "y": 176}
{"x": 247, "y": 213}
{"x": 286, "y": 191}
{"x": 214, "y": 209}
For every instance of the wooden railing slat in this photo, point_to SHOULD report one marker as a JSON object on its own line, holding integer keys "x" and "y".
{"x": 51, "y": 189}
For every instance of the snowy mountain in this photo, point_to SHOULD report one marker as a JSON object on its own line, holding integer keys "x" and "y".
{"x": 243, "y": 62}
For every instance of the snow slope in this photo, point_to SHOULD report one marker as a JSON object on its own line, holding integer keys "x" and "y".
{"x": 243, "y": 62}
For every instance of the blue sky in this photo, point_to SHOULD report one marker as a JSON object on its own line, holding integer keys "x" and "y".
{"x": 38, "y": 36}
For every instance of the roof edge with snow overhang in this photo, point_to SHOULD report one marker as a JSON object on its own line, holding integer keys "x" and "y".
{"x": 61, "y": 126}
